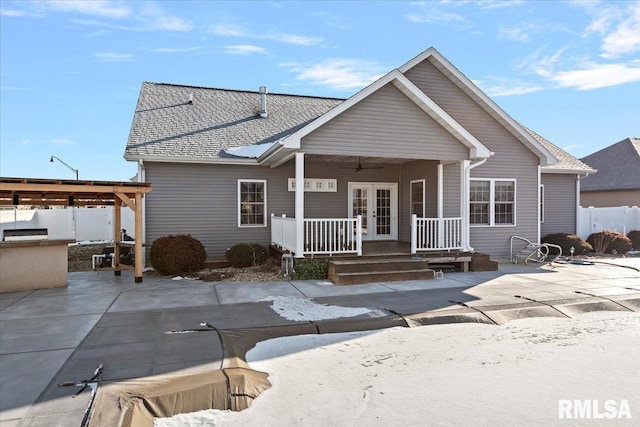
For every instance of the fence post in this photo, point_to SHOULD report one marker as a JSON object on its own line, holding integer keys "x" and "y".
{"x": 414, "y": 233}
{"x": 359, "y": 235}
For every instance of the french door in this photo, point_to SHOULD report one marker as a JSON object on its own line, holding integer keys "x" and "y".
{"x": 378, "y": 204}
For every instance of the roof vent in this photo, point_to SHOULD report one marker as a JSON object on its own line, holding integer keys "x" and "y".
{"x": 263, "y": 101}
{"x": 190, "y": 98}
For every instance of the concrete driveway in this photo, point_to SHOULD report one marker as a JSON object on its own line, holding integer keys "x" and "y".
{"x": 56, "y": 335}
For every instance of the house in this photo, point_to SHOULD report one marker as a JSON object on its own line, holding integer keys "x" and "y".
{"x": 420, "y": 156}
{"x": 617, "y": 182}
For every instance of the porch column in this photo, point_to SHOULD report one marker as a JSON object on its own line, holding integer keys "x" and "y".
{"x": 465, "y": 175}
{"x": 440, "y": 205}
{"x": 299, "y": 205}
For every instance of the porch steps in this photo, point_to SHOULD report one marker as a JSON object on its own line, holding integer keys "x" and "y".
{"x": 355, "y": 272}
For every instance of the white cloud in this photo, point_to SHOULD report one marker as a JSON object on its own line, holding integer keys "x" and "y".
{"x": 17, "y": 88}
{"x": 625, "y": 38}
{"x": 231, "y": 30}
{"x": 157, "y": 19}
{"x": 513, "y": 33}
{"x": 103, "y": 8}
{"x": 571, "y": 147}
{"x": 338, "y": 73}
{"x": 594, "y": 76}
{"x": 500, "y": 86}
{"x": 14, "y": 13}
{"x": 293, "y": 39}
{"x": 244, "y": 49}
{"x": 176, "y": 49}
{"x": 114, "y": 56}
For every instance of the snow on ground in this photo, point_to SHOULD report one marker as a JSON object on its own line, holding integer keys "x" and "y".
{"x": 444, "y": 375}
{"x": 306, "y": 310}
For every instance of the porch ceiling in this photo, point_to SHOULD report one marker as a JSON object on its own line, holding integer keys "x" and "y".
{"x": 354, "y": 159}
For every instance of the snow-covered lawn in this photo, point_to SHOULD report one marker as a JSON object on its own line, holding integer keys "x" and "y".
{"x": 447, "y": 375}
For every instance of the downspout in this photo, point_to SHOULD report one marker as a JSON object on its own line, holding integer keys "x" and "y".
{"x": 578, "y": 178}
{"x": 466, "y": 213}
{"x": 141, "y": 178}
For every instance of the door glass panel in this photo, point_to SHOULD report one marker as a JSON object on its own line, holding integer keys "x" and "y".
{"x": 359, "y": 207}
{"x": 383, "y": 211}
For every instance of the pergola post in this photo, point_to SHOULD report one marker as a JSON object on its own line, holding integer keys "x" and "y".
{"x": 117, "y": 226}
{"x": 138, "y": 260}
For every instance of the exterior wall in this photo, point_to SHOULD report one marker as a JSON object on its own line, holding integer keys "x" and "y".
{"x": 386, "y": 124}
{"x": 421, "y": 169}
{"x": 202, "y": 200}
{"x": 610, "y": 198}
{"x": 512, "y": 160}
{"x": 452, "y": 189}
{"x": 559, "y": 204}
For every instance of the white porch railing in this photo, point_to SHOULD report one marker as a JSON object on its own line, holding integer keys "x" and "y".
{"x": 321, "y": 235}
{"x": 283, "y": 232}
{"x": 434, "y": 234}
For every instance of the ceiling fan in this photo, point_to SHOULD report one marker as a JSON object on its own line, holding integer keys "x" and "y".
{"x": 361, "y": 168}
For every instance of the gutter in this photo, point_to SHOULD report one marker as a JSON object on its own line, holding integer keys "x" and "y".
{"x": 191, "y": 159}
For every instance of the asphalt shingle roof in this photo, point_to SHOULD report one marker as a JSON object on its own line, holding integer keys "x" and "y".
{"x": 618, "y": 167}
{"x": 166, "y": 124}
{"x": 565, "y": 160}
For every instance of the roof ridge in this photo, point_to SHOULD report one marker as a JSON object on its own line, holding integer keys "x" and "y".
{"x": 243, "y": 90}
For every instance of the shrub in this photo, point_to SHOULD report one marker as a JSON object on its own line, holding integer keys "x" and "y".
{"x": 246, "y": 255}
{"x": 634, "y": 236}
{"x": 609, "y": 242}
{"x": 311, "y": 269}
{"x": 174, "y": 255}
{"x": 566, "y": 242}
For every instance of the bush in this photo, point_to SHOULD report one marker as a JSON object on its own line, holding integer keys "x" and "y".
{"x": 246, "y": 255}
{"x": 609, "y": 242}
{"x": 175, "y": 255}
{"x": 566, "y": 242}
{"x": 311, "y": 269}
{"x": 634, "y": 236}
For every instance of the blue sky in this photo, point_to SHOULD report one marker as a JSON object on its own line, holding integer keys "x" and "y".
{"x": 71, "y": 70}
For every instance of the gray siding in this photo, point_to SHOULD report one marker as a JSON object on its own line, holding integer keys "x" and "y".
{"x": 559, "y": 204}
{"x": 511, "y": 161}
{"x": 421, "y": 169}
{"x": 386, "y": 124}
{"x": 452, "y": 189}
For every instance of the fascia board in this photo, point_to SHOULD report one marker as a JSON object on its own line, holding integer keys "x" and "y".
{"x": 192, "y": 159}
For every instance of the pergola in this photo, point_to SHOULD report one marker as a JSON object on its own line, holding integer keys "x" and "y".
{"x": 51, "y": 192}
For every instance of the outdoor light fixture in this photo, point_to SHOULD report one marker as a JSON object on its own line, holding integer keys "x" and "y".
{"x": 61, "y": 161}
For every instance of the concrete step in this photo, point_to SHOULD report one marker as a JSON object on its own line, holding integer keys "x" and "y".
{"x": 359, "y": 278}
{"x": 371, "y": 265}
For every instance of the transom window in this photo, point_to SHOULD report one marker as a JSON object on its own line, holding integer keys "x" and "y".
{"x": 492, "y": 202}
{"x": 252, "y": 203}
{"x": 417, "y": 198}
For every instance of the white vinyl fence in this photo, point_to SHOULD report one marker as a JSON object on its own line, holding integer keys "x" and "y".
{"x": 622, "y": 219}
{"x": 80, "y": 224}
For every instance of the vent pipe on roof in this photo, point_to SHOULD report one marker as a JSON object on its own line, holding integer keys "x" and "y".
{"x": 190, "y": 98}
{"x": 263, "y": 101}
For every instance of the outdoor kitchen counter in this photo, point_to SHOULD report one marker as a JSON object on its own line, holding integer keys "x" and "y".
{"x": 33, "y": 264}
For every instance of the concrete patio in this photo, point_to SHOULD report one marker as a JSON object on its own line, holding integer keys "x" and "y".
{"x": 56, "y": 335}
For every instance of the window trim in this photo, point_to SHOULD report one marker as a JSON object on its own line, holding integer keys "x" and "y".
{"x": 424, "y": 195}
{"x": 239, "y": 206}
{"x": 492, "y": 202}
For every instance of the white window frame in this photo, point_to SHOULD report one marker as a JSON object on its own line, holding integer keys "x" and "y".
{"x": 424, "y": 195}
{"x": 492, "y": 202}
{"x": 541, "y": 203}
{"x": 264, "y": 215}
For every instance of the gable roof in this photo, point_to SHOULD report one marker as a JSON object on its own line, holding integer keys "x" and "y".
{"x": 477, "y": 149}
{"x": 566, "y": 162}
{"x": 166, "y": 126}
{"x": 618, "y": 167}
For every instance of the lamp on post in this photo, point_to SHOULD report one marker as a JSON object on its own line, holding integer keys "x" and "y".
{"x": 61, "y": 161}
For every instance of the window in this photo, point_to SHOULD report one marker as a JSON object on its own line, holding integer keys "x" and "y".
{"x": 492, "y": 202}
{"x": 417, "y": 197}
{"x": 252, "y": 203}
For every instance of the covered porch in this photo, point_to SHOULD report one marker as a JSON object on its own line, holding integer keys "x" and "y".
{"x": 343, "y": 203}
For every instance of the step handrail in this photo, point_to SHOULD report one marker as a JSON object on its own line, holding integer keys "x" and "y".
{"x": 540, "y": 249}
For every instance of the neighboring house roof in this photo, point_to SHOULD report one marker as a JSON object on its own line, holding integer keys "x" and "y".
{"x": 167, "y": 126}
{"x": 618, "y": 167}
{"x": 566, "y": 162}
